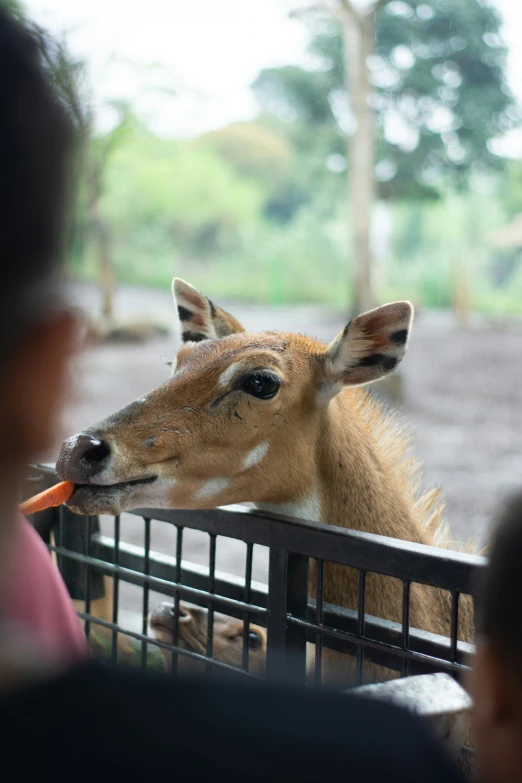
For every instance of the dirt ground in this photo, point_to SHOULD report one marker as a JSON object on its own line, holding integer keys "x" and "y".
{"x": 463, "y": 406}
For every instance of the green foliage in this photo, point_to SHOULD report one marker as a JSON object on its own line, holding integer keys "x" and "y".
{"x": 253, "y": 151}
{"x": 14, "y": 7}
{"x": 262, "y": 154}
{"x": 172, "y": 197}
{"x": 438, "y": 76}
{"x": 255, "y": 212}
{"x": 177, "y": 207}
{"x": 294, "y": 93}
{"x": 510, "y": 192}
{"x": 433, "y": 241}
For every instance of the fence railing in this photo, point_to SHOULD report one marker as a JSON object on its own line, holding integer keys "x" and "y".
{"x": 293, "y": 621}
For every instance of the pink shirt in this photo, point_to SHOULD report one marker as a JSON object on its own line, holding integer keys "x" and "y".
{"x": 36, "y": 599}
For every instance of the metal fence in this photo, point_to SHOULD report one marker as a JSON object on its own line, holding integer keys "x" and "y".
{"x": 293, "y": 621}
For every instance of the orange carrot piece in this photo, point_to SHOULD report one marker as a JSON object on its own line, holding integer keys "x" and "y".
{"x": 54, "y": 496}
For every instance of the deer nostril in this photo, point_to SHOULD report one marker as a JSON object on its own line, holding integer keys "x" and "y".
{"x": 82, "y": 457}
{"x": 97, "y": 452}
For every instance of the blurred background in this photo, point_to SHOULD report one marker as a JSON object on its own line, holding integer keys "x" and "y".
{"x": 299, "y": 162}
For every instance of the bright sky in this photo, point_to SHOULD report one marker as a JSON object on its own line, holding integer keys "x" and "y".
{"x": 208, "y": 50}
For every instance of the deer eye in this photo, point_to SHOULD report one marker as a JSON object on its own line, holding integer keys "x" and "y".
{"x": 254, "y": 640}
{"x": 261, "y": 385}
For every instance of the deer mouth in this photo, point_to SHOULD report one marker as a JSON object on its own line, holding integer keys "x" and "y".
{"x": 105, "y": 498}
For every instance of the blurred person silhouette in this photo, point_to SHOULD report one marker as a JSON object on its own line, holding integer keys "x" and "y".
{"x": 496, "y": 680}
{"x": 90, "y": 722}
{"x": 35, "y": 336}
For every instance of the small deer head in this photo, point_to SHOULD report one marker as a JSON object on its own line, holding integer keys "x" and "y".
{"x": 227, "y": 644}
{"x": 237, "y": 421}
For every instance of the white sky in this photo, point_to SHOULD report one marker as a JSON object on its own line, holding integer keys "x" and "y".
{"x": 209, "y": 51}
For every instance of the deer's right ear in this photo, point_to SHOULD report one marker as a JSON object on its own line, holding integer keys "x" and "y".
{"x": 200, "y": 319}
{"x": 369, "y": 347}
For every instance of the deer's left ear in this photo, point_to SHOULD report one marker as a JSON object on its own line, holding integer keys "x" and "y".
{"x": 200, "y": 319}
{"x": 369, "y": 347}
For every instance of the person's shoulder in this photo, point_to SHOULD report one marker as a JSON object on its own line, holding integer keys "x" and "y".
{"x": 271, "y": 730}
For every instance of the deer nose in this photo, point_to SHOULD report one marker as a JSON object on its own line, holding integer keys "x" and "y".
{"x": 82, "y": 457}
{"x": 164, "y": 614}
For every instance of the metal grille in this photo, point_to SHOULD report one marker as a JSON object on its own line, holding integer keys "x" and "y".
{"x": 293, "y": 621}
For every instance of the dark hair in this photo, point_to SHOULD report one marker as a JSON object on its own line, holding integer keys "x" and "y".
{"x": 35, "y": 144}
{"x": 499, "y": 594}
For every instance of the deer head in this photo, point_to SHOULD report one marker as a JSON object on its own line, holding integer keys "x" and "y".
{"x": 237, "y": 421}
{"x": 227, "y": 644}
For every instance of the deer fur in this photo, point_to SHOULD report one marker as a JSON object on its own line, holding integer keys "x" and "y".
{"x": 320, "y": 449}
{"x": 227, "y": 645}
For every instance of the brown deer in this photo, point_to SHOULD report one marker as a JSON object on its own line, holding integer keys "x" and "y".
{"x": 279, "y": 420}
{"x": 227, "y": 644}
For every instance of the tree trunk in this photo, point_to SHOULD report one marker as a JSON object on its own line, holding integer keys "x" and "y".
{"x": 461, "y": 299}
{"x": 100, "y": 236}
{"x": 358, "y": 37}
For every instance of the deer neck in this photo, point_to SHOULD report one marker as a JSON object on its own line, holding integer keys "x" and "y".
{"x": 358, "y": 480}
{"x": 350, "y": 482}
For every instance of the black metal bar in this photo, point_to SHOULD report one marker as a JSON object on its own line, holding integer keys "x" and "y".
{"x": 69, "y": 532}
{"x": 87, "y": 574}
{"x": 156, "y": 643}
{"x": 361, "y": 608}
{"x": 405, "y": 624}
{"x": 177, "y": 579}
{"x": 59, "y": 558}
{"x": 387, "y": 637}
{"x": 163, "y": 567}
{"x": 319, "y": 614}
{"x": 334, "y": 617}
{"x": 287, "y": 595}
{"x": 432, "y": 566}
{"x": 291, "y": 619}
{"x": 454, "y": 623}
{"x": 276, "y": 620}
{"x": 296, "y": 606}
{"x": 394, "y": 652}
{"x": 166, "y": 586}
{"x": 211, "y": 588}
{"x": 246, "y": 598}
{"x": 116, "y": 592}
{"x": 145, "y": 596}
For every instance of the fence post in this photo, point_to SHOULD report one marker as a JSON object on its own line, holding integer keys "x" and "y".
{"x": 287, "y": 594}
{"x": 74, "y": 537}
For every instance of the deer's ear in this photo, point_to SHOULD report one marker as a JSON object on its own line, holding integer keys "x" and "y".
{"x": 200, "y": 319}
{"x": 369, "y": 347}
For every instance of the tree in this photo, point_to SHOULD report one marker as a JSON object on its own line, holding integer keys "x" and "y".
{"x": 100, "y": 149}
{"x": 251, "y": 150}
{"x": 186, "y": 199}
{"x": 426, "y": 92}
{"x": 262, "y": 154}
{"x": 510, "y": 189}
{"x": 68, "y": 76}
